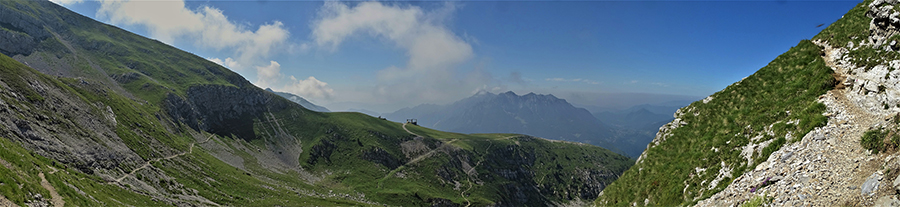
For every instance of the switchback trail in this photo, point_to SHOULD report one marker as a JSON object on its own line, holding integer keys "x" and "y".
{"x": 429, "y": 153}
{"x": 147, "y": 164}
{"x": 417, "y": 159}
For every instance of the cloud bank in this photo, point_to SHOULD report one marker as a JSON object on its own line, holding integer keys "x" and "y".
{"x": 228, "y": 62}
{"x": 270, "y": 76}
{"x": 432, "y": 72}
{"x": 309, "y": 87}
{"x": 573, "y": 80}
{"x": 206, "y": 27}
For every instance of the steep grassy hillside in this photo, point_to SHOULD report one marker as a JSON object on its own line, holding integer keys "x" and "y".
{"x": 714, "y": 140}
{"x": 111, "y": 118}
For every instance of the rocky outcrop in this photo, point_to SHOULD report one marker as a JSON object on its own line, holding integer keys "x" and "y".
{"x": 224, "y": 110}
{"x": 19, "y": 32}
{"x": 62, "y": 127}
{"x": 666, "y": 130}
{"x": 885, "y": 24}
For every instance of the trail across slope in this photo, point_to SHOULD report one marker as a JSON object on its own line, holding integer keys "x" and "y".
{"x": 55, "y": 198}
{"x": 147, "y": 164}
{"x": 827, "y": 167}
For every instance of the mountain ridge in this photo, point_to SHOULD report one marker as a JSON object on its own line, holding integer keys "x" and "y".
{"x": 125, "y": 120}
{"x": 535, "y": 114}
{"x": 300, "y": 100}
{"x": 477, "y": 113}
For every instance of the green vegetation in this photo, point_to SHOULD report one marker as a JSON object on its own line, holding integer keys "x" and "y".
{"x": 339, "y": 139}
{"x": 873, "y": 140}
{"x": 347, "y": 159}
{"x": 11, "y": 74}
{"x": 779, "y": 98}
{"x": 881, "y": 139}
{"x": 760, "y": 200}
{"x": 869, "y": 57}
{"x": 853, "y": 26}
{"x": 19, "y": 181}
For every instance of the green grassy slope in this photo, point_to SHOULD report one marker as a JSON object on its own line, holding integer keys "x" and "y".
{"x": 19, "y": 181}
{"x": 780, "y": 98}
{"x": 346, "y": 159}
{"x": 141, "y": 134}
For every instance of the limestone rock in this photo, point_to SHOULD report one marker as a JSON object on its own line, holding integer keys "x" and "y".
{"x": 871, "y": 185}
{"x": 887, "y": 201}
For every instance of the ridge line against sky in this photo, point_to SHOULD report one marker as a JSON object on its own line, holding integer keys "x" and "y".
{"x": 384, "y": 56}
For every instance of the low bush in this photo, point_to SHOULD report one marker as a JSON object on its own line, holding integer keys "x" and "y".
{"x": 874, "y": 140}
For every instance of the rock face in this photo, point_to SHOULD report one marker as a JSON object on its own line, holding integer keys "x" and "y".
{"x": 885, "y": 24}
{"x": 223, "y": 110}
{"x": 62, "y": 127}
{"x": 24, "y": 34}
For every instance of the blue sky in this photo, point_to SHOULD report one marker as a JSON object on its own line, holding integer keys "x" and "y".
{"x": 387, "y": 55}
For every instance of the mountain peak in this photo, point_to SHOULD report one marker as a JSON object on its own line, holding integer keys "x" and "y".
{"x": 482, "y": 92}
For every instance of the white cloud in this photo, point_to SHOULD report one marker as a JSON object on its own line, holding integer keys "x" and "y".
{"x": 660, "y": 84}
{"x": 66, "y": 2}
{"x": 267, "y": 76}
{"x": 556, "y": 79}
{"x": 516, "y": 77}
{"x": 431, "y": 73}
{"x": 573, "y": 80}
{"x": 228, "y": 62}
{"x": 310, "y": 87}
{"x": 270, "y": 76}
{"x": 207, "y": 27}
{"x": 216, "y": 60}
{"x": 428, "y": 43}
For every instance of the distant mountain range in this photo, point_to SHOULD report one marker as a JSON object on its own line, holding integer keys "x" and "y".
{"x": 537, "y": 115}
{"x": 627, "y": 131}
{"x": 300, "y": 100}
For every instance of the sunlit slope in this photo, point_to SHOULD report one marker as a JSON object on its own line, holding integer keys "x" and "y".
{"x": 714, "y": 140}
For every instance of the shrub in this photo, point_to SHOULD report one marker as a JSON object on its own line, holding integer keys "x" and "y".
{"x": 873, "y": 140}
{"x": 760, "y": 200}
